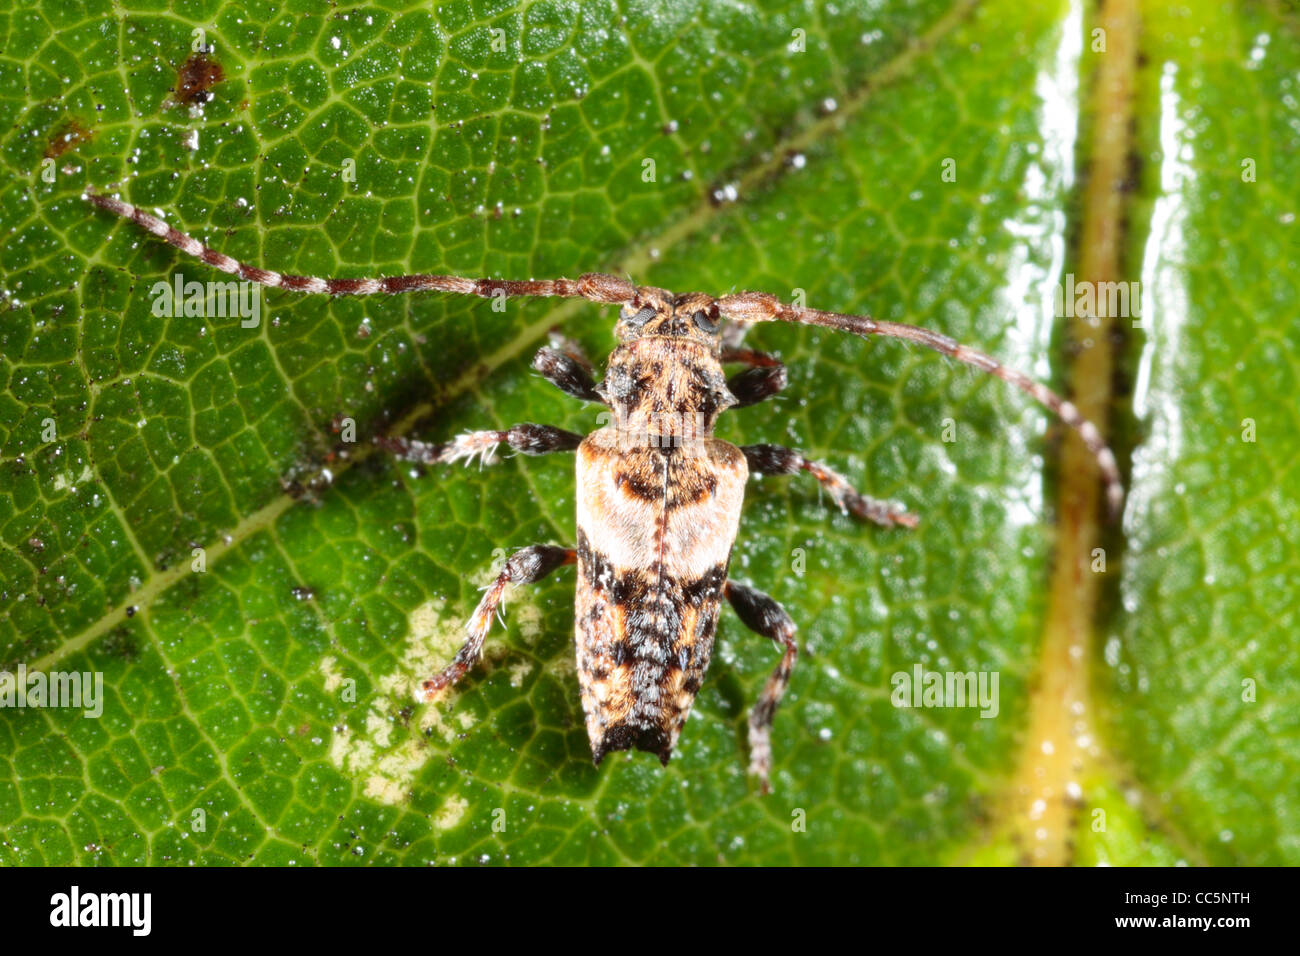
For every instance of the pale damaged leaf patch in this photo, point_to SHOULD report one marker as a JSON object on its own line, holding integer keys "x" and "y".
{"x": 65, "y": 482}
{"x": 389, "y": 768}
{"x": 451, "y": 813}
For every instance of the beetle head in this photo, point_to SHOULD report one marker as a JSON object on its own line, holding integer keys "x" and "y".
{"x": 691, "y": 317}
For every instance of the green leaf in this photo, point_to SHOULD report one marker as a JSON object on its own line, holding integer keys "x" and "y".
{"x": 262, "y": 596}
{"x": 1201, "y": 681}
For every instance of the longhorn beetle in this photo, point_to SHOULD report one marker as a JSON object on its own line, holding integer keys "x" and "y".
{"x": 658, "y": 496}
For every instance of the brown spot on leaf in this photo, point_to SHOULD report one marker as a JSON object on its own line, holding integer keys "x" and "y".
{"x": 68, "y": 136}
{"x": 196, "y": 78}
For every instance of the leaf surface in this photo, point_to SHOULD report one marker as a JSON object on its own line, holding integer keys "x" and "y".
{"x": 260, "y": 709}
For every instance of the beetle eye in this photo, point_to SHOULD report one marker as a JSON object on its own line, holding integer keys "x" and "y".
{"x": 641, "y": 318}
{"x": 704, "y": 323}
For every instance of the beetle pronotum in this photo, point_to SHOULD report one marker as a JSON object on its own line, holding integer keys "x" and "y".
{"x": 658, "y": 496}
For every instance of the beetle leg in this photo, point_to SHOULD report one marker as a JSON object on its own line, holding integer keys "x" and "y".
{"x": 757, "y": 384}
{"x": 765, "y": 376}
{"x": 567, "y": 371}
{"x": 527, "y": 566}
{"x": 740, "y": 355}
{"x": 779, "y": 460}
{"x": 764, "y": 616}
{"x": 570, "y": 347}
{"x": 733, "y": 334}
{"x": 527, "y": 438}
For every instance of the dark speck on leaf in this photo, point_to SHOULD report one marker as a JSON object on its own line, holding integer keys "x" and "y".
{"x": 196, "y": 78}
{"x": 120, "y": 643}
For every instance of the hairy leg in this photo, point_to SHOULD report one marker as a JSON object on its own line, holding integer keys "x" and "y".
{"x": 779, "y": 460}
{"x": 568, "y": 371}
{"x": 764, "y": 616}
{"x": 764, "y": 377}
{"x": 527, "y": 566}
{"x": 526, "y": 438}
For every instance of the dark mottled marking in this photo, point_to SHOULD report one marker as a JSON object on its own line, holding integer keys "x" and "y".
{"x": 196, "y": 78}
{"x": 706, "y": 588}
{"x": 596, "y": 569}
{"x": 646, "y": 487}
{"x": 652, "y": 739}
{"x": 690, "y": 486}
{"x": 68, "y": 136}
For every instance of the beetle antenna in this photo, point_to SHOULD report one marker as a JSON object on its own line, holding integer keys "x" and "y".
{"x": 751, "y": 307}
{"x": 593, "y": 286}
